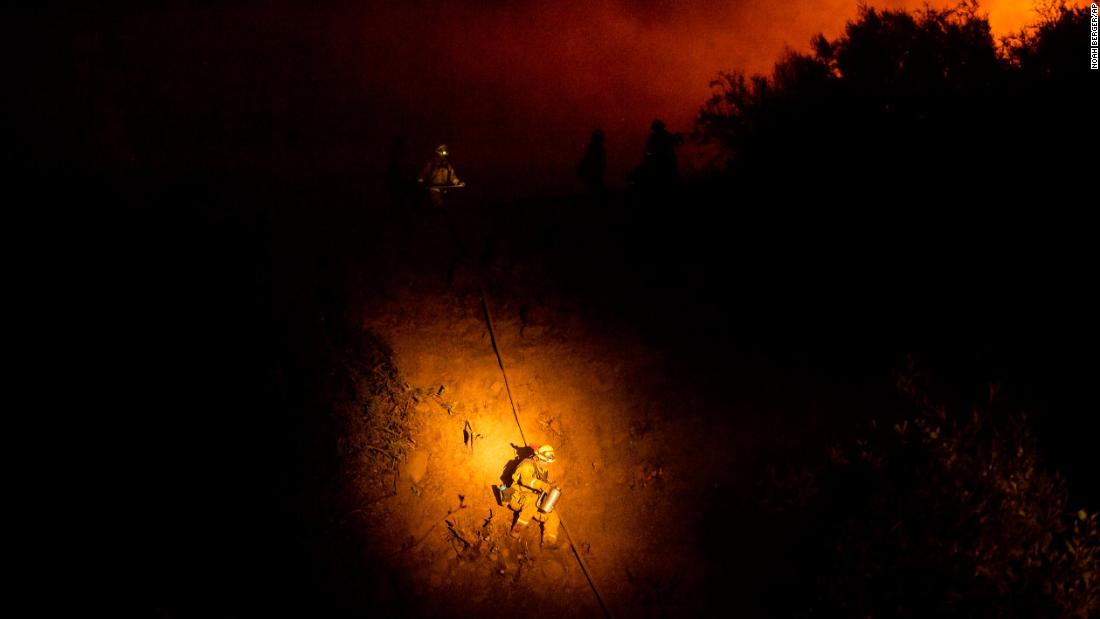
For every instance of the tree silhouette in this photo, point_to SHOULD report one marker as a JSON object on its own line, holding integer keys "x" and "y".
{"x": 922, "y": 100}
{"x": 946, "y": 510}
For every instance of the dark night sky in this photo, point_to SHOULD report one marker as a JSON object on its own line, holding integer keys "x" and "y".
{"x": 326, "y": 88}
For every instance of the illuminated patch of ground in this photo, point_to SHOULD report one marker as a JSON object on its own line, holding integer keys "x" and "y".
{"x": 621, "y": 467}
{"x": 663, "y": 421}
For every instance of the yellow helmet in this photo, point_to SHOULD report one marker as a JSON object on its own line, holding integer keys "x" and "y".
{"x": 545, "y": 453}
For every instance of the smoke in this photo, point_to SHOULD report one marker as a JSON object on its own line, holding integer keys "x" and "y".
{"x": 514, "y": 87}
{"x": 519, "y": 87}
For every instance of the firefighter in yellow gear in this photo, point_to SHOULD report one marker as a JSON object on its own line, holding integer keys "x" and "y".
{"x": 531, "y": 480}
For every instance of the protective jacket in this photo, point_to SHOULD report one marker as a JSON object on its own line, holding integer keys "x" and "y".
{"x": 531, "y": 477}
{"x": 439, "y": 173}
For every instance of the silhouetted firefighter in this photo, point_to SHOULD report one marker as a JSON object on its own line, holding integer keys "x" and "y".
{"x": 658, "y": 170}
{"x": 591, "y": 167}
{"x": 439, "y": 176}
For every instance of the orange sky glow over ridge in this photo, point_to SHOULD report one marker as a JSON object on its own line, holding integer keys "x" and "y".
{"x": 488, "y": 76}
{"x": 350, "y": 87}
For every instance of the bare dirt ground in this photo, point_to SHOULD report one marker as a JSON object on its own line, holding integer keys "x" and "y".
{"x": 657, "y": 462}
{"x": 574, "y": 388}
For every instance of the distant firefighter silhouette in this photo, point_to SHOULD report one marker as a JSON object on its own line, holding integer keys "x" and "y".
{"x": 532, "y": 495}
{"x": 658, "y": 169}
{"x": 439, "y": 176}
{"x": 591, "y": 167}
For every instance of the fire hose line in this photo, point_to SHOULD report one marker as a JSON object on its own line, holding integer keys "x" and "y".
{"x": 515, "y": 414}
{"x": 500, "y": 360}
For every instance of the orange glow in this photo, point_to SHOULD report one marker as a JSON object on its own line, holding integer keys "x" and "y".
{"x": 522, "y": 87}
{"x": 514, "y": 88}
{"x": 572, "y": 392}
